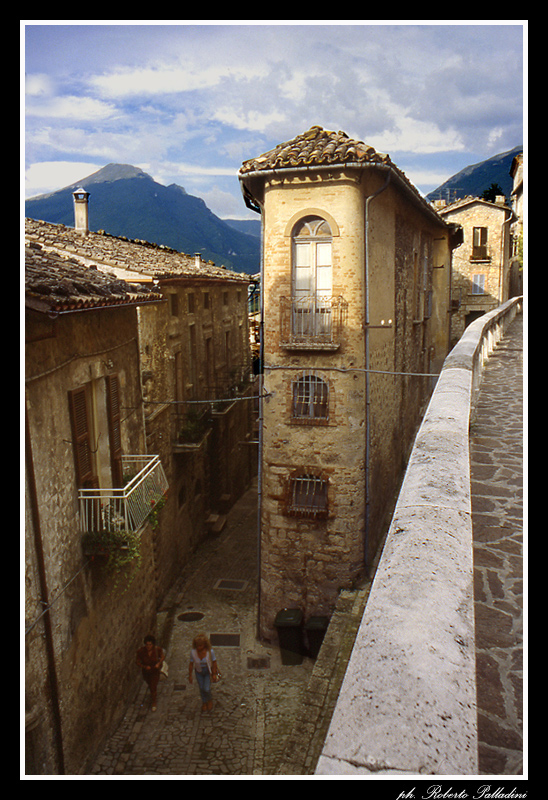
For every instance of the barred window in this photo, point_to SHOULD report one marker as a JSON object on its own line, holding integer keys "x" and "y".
{"x": 308, "y": 496}
{"x": 310, "y": 398}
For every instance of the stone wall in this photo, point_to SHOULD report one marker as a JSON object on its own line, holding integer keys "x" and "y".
{"x": 305, "y": 562}
{"x": 95, "y": 625}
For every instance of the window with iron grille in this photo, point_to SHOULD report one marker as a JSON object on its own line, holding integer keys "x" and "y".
{"x": 307, "y": 496}
{"x": 310, "y": 398}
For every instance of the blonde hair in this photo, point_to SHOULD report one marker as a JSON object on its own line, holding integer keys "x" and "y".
{"x": 201, "y": 640}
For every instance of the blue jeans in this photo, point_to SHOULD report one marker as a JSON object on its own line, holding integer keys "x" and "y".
{"x": 204, "y": 684}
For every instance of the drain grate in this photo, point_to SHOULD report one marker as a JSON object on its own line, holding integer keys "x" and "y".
{"x": 226, "y": 583}
{"x": 258, "y": 663}
{"x": 179, "y": 687}
{"x": 190, "y": 616}
{"x": 225, "y": 639}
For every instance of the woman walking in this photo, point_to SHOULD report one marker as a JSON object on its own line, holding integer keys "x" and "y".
{"x": 204, "y": 664}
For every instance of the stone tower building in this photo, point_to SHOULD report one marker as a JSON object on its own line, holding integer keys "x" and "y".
{"x": 356, "y": 293}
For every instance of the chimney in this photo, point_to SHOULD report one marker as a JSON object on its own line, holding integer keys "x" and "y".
{"x": 81, "y": 221}
{"x": 197, "y": 260}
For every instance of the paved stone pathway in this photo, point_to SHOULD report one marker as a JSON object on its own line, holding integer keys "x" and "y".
{"x": 496, "y": 439}
{"x": 256, "y": 703}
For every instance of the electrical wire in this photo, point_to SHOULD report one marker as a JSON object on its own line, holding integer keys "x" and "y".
{"x": 55, "y": 599}
{"x": 356, "y": 369}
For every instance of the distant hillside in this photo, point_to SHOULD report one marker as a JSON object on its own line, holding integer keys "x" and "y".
{"x": 473, "y": 180}
{"x": 249, "y": 226}
{"x": 125, "y": 201}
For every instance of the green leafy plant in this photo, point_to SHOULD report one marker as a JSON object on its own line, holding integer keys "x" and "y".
{"x": 117, "y": 550}
{"x": 194, "y": 426}
{"x": 157, "y": 506}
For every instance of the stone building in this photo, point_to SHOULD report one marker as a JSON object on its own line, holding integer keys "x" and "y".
{"x": 138, "y": 389}
{"x": 356, "y": 293}
{"x": 195, "y": 367}
{"x": 516, "y": 247}
{"x": 90, "y": 483}
{"x": 481, "y": 265}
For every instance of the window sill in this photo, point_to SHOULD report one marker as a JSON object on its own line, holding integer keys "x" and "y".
{"x": 331, "y": 347}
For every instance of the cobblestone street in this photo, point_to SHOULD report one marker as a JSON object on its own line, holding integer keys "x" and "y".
{"x": 497, "y": 513}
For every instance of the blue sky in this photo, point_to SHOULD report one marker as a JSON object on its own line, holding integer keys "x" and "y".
{"x": 188, "y": 101}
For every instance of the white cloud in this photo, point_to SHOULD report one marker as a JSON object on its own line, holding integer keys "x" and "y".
{"x": 248, "y": 120}
{"x": 70, "y": 107}
{"x": 48, "y": 176}
{"x": 164, "y": 79}
{"x": 38, "y": 85}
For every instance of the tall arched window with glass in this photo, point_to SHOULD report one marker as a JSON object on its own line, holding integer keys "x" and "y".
{"x": 312, "y": 279}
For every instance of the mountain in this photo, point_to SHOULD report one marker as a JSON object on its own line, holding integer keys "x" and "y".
{"x": 249, "y": 226}
{"x": 473, "y": 180}
{"x": 125, "y": 201}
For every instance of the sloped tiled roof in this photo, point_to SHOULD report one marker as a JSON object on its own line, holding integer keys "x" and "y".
{"x": 315, "y": 147}
{"x": 319, "y": 148}
{"x": 140, "y": 258}
{"x": 54, "y": 284}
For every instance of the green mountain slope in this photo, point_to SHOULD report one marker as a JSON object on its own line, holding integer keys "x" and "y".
{"x": 125, "y": 201}
{"x": 474, "y": 179}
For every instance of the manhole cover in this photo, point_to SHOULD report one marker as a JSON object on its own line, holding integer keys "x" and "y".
{"x": 225, "y": 583}
{"x": 258, "y": 663}
{"x": 225, "y": 639}
{"x": 190, "y": 616}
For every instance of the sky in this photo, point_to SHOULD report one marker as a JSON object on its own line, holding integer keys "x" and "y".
{"x": 188, "y": 101}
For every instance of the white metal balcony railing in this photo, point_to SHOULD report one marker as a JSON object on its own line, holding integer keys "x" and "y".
{"x": 127, "y": 508}
{"x": 315, "y": 320}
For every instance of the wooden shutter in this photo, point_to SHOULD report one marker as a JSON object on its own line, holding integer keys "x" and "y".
{"x": 81, "y": 438}
{"x": 114, "y": 428}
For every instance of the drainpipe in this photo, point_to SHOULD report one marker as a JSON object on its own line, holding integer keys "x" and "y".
{"x": 261, "y": 402}
{"x": 253, "y": 204}
{"x": 367, "y": 367}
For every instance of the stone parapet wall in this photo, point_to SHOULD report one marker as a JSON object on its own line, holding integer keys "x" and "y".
{"x": 408, "y": 700}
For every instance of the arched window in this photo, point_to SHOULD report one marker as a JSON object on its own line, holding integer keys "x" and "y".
{"x": 310, "y": 398}
{"x": 312, "y": 276}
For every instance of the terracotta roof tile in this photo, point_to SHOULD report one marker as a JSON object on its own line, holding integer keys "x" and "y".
{"x": 315, "y": 147}
{"x": 150, "y": 261}
{"x": 55, "y": 284}
{"x": 321, "y": 148}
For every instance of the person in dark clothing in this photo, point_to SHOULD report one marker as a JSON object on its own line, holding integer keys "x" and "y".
{"x": 150, "y": 658}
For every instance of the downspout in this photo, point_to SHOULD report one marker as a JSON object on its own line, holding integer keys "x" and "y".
{"x": 261, "y": 402}
{"x": 367, "y": 368}
{"x": 254, "y": 205}
{"x": 505, "y": 239}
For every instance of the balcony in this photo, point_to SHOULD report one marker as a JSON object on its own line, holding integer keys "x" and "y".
{"x": 312, "y": 322}
{"x": 126, "y": 509}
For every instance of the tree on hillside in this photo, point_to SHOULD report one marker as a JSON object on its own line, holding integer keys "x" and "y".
{"x": 491, "y": 194}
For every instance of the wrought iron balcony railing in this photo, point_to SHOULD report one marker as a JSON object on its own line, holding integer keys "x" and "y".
{"x": 127, "y": 508}
{"x": 312, "y": 322}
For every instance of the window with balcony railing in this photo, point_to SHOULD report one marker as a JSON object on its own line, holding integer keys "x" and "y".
{"x": 112, "y": 510}
{"x": 311, "y": 317}
{"x": 312, "y": 322}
